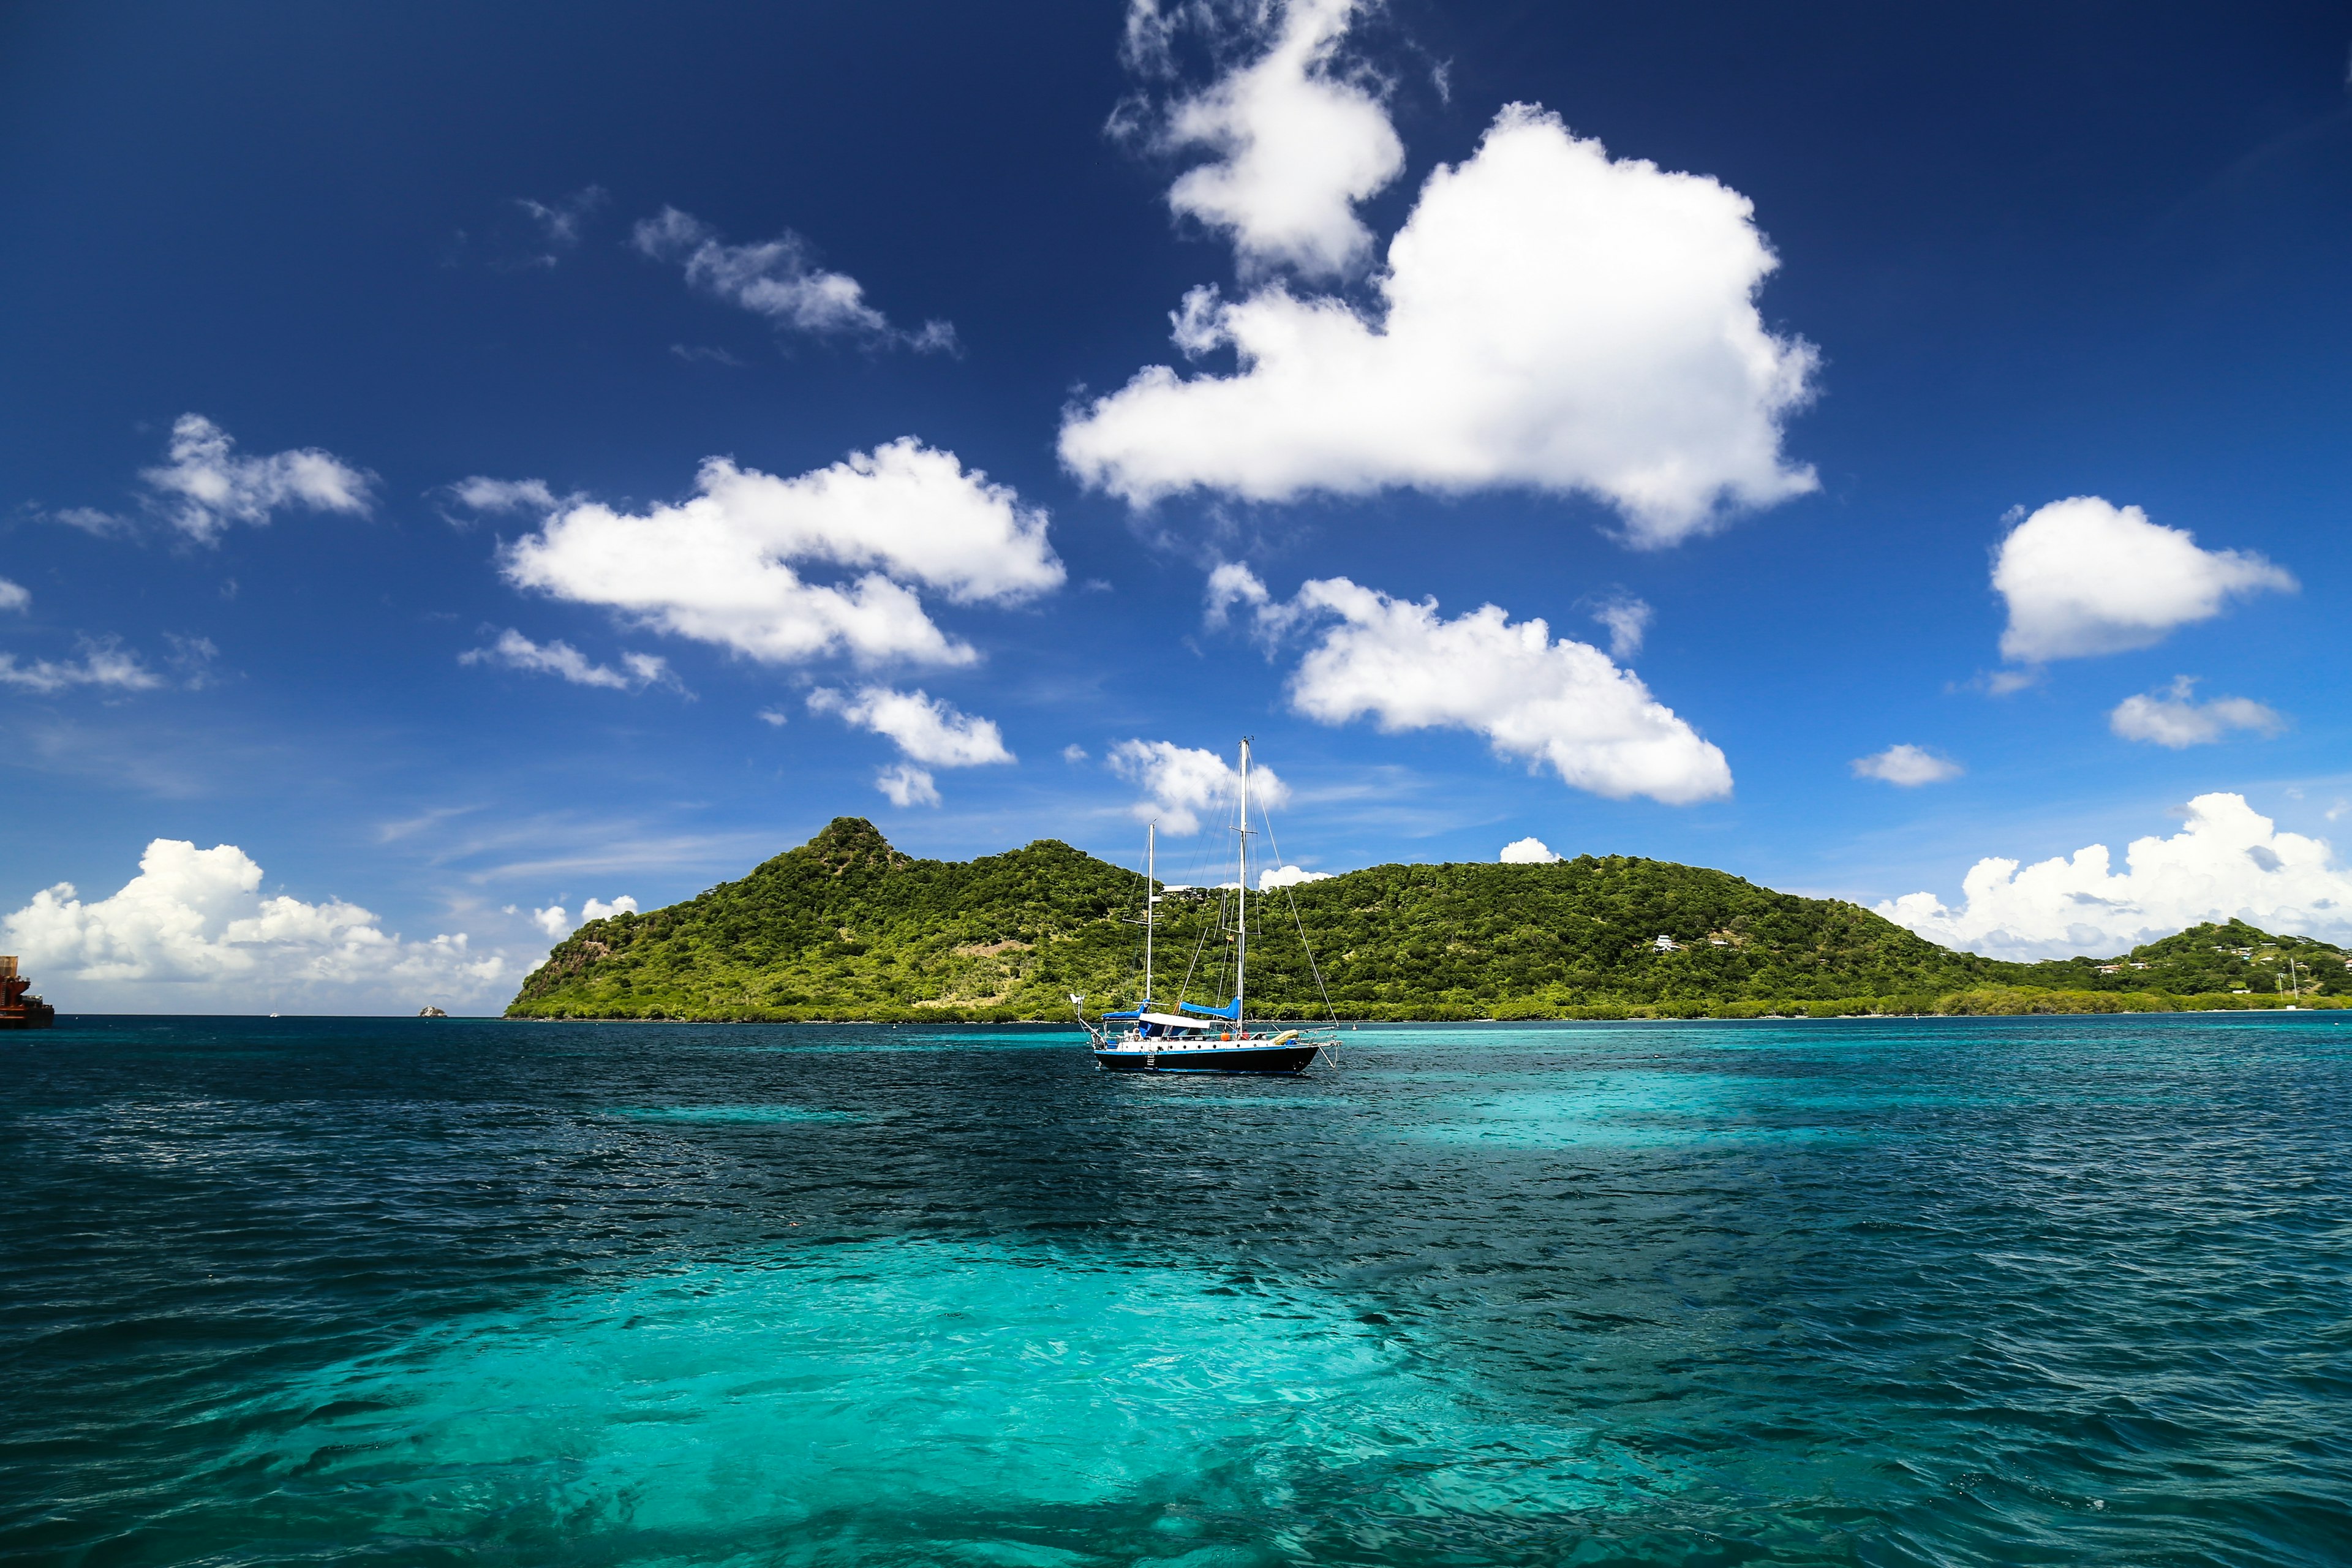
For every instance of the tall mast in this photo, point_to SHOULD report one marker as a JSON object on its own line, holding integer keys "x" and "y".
{"x": 1241, "y": 901}
{"x": 1150, "y": 900}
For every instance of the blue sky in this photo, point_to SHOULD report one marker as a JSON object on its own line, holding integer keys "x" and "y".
{"x": 1852, "y": 302}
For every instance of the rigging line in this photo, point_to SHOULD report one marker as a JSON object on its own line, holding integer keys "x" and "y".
{"x": 1290, "y": 898}
{"x": 1198, "y": 943}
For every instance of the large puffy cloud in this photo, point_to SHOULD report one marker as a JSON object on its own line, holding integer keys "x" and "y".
{"x": 1549, "y": 318}
{"x": 207, "y": 485}
{"x": 516, "y": 651}
{"x": 2174, "y": 718}
{"x": 192, "y": 932}
{"x": 777, "y": 278}
{"x": 2084, "y": 576}
{"x": 724, "y": 566}
{"x": 2229, "y": 862}
{"x": 1296, "y": 143}
{"x": 1180, "y": 783}
{"x": 1564, "y": 703}
{"x": 1528, "y": 851}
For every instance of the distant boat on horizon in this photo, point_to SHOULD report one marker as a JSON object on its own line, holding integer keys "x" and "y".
{"x": 18, "y": 1010}
{"x": 1193, "y": 1036}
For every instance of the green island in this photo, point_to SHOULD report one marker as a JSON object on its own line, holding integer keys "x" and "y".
{"x": 848, "y": 929}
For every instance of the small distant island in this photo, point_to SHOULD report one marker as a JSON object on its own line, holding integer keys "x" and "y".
{"x": 848, "y": 929}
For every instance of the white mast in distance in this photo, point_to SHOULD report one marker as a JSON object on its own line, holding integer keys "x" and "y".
{"x": 1150, "y": 900}
{"x": 1241, "y": 903}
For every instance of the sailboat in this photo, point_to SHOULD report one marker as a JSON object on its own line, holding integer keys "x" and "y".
{"x": 1192, "y": 1037}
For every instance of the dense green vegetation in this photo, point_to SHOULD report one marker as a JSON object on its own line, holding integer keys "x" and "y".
{"x": 847, "y": 927}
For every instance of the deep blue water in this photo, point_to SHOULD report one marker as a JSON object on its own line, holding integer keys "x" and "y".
{"x": 1944, "y": 1291}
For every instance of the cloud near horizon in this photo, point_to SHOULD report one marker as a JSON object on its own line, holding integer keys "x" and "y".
{"x": 726, "y": 566}
{"x": 558, "y": 925}
{"x": 1550, "y": 319}
{"x": 2228, "y": 862}
{"x": 191, "y": 932}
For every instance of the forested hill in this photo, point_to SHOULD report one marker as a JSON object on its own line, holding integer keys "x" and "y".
{"x": 845, "y": 926}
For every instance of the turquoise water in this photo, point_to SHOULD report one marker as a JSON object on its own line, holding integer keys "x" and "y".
{"x": 1884, "y": 1292}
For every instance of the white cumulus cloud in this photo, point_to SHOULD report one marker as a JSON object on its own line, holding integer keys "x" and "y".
{"x": 1274, "y": 876}
{"x": 1907, "y": 765}
{"x": 1180, "y": 783}
{"x": 1527, "y": 851}
{"x": 15, "y": 595}
{"x": 727, "y": 565}
{"x": 2229, "y": 862}
{"x": 1549, "y": 318}
{"x": 926, "y": 728}
{"x": 2083, "y": 576}
{"x": 1296, "y": 143}
{"x": 2174, "y": 718}
{"x": 1564, "y": 703}
{"x": 515, "y": 651}
{"x": 778, "y": 279}
{"x": 192, "y": 932}
{"x": 206, "y": 485}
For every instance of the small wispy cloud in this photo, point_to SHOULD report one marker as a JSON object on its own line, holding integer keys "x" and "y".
{"x": 779, "y": 279}
{"x": 512, "y": 650}
{"x": 1627, "y": 620}
{"x": 561, "y": 221}
{"x": 103, "y": 663}
{"x": 208, "y": 484}
{"x": 2173, "y": 718}
{"x": 1907, "y": 766}
{"x": 478, "y": 496}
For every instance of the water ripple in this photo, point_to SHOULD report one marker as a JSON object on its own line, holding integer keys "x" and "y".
{"x": 1950, "y": 1292}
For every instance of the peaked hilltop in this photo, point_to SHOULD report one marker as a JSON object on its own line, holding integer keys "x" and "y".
{"x": 847, "y": 928}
